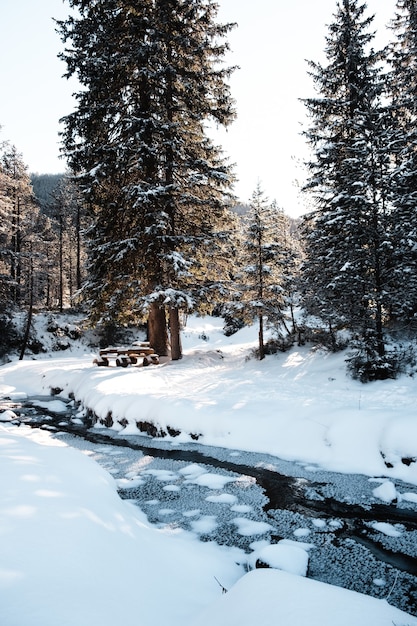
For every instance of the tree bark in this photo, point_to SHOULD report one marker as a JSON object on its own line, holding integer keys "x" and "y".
{"x": 157, "y": 330}
{"x": 174, "y": 325}
{"x": 29, "y": 320}
{"x": 261, "y": 338}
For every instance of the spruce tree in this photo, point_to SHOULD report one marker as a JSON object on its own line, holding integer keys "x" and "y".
{"x": 156, "y": 185}
{"x": 262, "y": 262}
{"x": 403, "y": 99}
{"x": 21, "y": 215}
{"x": 23, "y": 243}
{"x": 5, "y": 234}
{"x": 348, "y": 269}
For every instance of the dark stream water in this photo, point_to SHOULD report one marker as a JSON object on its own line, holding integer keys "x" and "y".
{"x": 337, "y": 514}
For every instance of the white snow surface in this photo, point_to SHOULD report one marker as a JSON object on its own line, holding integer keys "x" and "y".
{"x": 73, "y": 553}
{"x": 286, "y": 556}
{"x": 272, "y": 598}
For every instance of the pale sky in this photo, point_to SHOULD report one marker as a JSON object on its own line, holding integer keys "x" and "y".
{"x": 271, "y": 44}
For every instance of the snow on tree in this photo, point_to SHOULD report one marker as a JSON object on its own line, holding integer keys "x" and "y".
{"x": 5, "y": 235}
{"x": 20, "y": 224}
{"x": 157, "y": 188}
{"x": 348, "y": 273}
{"x": 66, "y": 212}
{"x": 403, "y": 100}
{"x": 262, "y": 265}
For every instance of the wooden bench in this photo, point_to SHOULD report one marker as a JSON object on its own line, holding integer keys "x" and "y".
{"x": 122, "y": 357}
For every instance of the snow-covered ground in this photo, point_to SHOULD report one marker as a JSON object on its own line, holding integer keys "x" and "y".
{"x": 73, "y": 553}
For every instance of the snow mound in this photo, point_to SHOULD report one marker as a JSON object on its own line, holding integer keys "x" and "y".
{"x": 285, "y": 556}
{"x": 272, "y": 597}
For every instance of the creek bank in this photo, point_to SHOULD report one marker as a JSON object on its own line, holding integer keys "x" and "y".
{"x": 333, "y": 511}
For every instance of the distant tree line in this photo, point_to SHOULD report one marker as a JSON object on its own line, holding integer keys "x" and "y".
{"x": 41, "y": 252}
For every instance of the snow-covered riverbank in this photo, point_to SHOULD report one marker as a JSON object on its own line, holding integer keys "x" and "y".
{"x": 76, "y": 554}
{"x": 298, "y": 405}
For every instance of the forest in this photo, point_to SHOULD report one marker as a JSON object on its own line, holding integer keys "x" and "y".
{"x": 144, "y": 227}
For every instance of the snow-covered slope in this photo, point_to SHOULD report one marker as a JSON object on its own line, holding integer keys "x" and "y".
{"x": 299, "y": 405}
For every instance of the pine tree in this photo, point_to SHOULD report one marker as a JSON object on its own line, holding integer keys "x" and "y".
{"x": 348, "y": 269}
{"x": 262, "y": 264}
{"x": 23, "y": 245}
{"x": 5, "y": 235}
{"x": 66, "y": 210}
{"x": 403, "y": 99}
{"x": 292, "y": 259}
{"x": 156, "y": 185}
{"x": 21, "y": 216}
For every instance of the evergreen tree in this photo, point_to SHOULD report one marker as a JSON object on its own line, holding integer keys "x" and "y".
{"x": 155, "y": 184}
{"x": 44, "y": 187}
{"x": 292, "y": 258}
{"x": 348, "y": 276}
{"x": 5, "y": 235}
{"x": 66, "y": 211}
{"x": 21, "y": 215}
{"x": 262, "y": 264}
{"x": 403, "y": 92}
{"x": 23, "y": 245}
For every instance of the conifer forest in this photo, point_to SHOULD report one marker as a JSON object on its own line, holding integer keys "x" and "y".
{"x": 143, "y": 227}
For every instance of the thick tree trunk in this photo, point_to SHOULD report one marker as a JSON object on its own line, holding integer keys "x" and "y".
{"x": 174, "y": 325}
{"x": 157, "y": 330}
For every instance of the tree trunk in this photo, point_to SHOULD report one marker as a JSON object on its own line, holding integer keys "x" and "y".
{"x": 29, "y": 320}
{"x": 174, "y": 325}
{"x": 294, "y": 325}
{"x": 261, "y": 338}
{"x": 379, "y": 331}
{"x": 78, "y": 235}
{"x": 61, "y": 264}
{"x": 157, "y": 330}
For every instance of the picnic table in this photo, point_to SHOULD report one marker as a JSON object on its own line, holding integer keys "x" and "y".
{"x": 139, "y": 353}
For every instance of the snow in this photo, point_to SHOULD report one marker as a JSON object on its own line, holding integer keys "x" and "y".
{"x": 298, "y": 406}
{"x": 247, "y": 527}
{"x": 387, "y": 529}
{"x": 8, "y": 416}
{"x": 56, "y": 406}
{"x": 386, "y": 491}
{"x": 73, "y": 552}
{"x": 271, "y": 597}
{"x": 285, "y": 556}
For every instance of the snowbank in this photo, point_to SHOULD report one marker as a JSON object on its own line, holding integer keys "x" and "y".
{"x": 271, "y": 597}
{"x": 73, "y": 553}
{"x": 299, "y": 406}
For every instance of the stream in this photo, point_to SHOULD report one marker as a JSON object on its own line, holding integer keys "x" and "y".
{"x": 248, "y": 500}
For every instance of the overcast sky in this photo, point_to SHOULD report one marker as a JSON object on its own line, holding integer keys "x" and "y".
{"x": 271, "y": 44}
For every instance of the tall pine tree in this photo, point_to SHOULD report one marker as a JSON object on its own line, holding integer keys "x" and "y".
{"x": 403, "y": 99}
{"x": 348, "y": 268}
{"x": 156, "y": 185}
